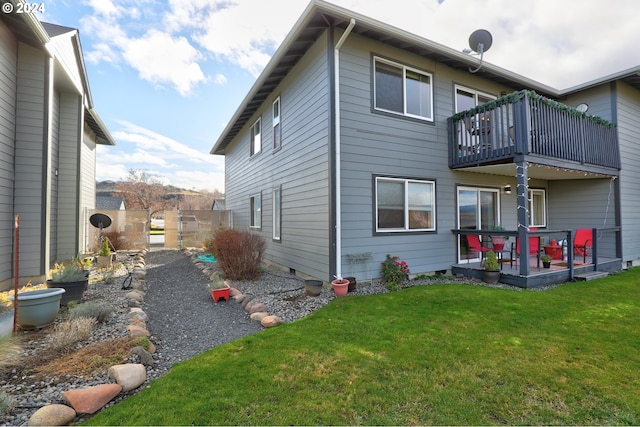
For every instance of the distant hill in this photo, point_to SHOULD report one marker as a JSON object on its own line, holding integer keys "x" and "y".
{"x": 105, "y": 188}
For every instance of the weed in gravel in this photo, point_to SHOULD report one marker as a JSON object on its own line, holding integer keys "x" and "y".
{"x": 6, "y": 403}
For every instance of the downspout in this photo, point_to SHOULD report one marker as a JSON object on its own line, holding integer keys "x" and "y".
{"x": 338, "y": 193}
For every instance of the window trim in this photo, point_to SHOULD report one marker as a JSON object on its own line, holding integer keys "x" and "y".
{"x": 253, "y": 135}
{"x": 277, "y": 214}
{"x": 406, "y": 229}
{"x": 530, "y": 206}
{"x": 276, "y": 124}
{"x": 255, "y": 216}
{"x": 404, "y": 68}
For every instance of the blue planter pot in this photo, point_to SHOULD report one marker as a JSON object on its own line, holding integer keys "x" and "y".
{"x": 39, "y": 308}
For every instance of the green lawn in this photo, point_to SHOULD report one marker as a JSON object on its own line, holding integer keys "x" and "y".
{"x": 427, "y": 355}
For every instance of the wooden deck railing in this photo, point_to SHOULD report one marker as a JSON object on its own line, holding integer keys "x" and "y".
{"x": 525, "y": 123}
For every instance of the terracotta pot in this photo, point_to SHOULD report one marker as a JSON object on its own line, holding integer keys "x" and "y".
{"x": 340, "y": 287}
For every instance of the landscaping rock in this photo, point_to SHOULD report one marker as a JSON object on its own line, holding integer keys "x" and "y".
{"x": 257, "y": 307}
{"x": 144, "y": 356}
{"x": 92, "y": 399}
{"x": 138, "y": 286}
{"x": 129, "y": 375}
{"x": 271, "y": 321}
{"x": 259, "y": 315}
{"x": 137, "y": 331}
{"x": 234, "y": 292}
{"x": 137, "y": 313}
{"x": 135, "y": 295}
{"x": 246, "y": 300}
{"x": 52, "y": 415}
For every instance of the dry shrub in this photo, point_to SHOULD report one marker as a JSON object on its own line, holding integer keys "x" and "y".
{"x": 100, "y": 311}
{"x": 239, "y": 253}
{"x": 67, "y": 334}
{"x": 10, "y": 349}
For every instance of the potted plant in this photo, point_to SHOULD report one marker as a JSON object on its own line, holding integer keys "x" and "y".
{"x": 104, "y": 255}
{"x": 498, "y": 241}
{"x": 70, "y": 277}
{"x": 38, "y": 308}
{"x": 546, "y": 261}
{"x": 218, "y": 287}
{"x": 491, "y": 272}
{"x": 313, "y": 288}
{"x": 340, "y": 286}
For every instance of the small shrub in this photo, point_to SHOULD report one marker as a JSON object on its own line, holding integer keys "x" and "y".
{"x": 105, "y": 249}
{"x": 108, "y": 275}
{"x": 239, "y": 253}
{"x": 394, "y": 271}
{"x": 491, "y": 262}
{"x": 67, "y": 272}
{"x": 67, "y": 334}
{"x": 209, "y": 245}
{"x": 9, "y": 351}
{"x": 6, "y": 403}
{"x": 100, "y": 311}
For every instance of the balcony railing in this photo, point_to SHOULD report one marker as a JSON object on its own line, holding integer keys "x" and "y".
{"x": 525, "y": 123}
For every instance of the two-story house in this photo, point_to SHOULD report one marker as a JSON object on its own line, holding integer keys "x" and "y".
{"x": 360, "y": 139}
{"x": 49, "y": 130}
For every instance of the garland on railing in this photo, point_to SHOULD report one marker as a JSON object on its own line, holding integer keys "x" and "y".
{"x": 514, "y": 97}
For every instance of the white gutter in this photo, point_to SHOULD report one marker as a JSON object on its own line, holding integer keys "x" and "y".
{"x": 336, "y": 65}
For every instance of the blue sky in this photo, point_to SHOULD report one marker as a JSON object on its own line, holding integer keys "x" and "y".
{"x": 166, "y": 76}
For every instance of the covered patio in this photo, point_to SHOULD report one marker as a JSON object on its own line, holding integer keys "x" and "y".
{"x": 570, "y": 265}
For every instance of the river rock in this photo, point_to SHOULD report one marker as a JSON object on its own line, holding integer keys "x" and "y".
{"x": 271, "y": 321}
{"x": 259, "y": 315}
{"x": 52, "y": 415}
{"x": 137, "y": 331}
{"x": 92, "y": 399}
{"x": 129, "y": 375}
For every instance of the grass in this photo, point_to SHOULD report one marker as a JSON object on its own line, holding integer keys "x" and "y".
{"x": 429, "y": 355}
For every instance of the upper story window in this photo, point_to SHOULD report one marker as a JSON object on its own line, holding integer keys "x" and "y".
{"x": 277, "y": 133}
{"x": 405, "y": 205}
{"x": 402, "y": 90}
{"x": 466, "y": 99}
{"x": 256, "y": 137}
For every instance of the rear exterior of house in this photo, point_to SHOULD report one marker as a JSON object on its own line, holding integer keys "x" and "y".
{"x": 336, "y": 164}
{"x": 48, "y": 136}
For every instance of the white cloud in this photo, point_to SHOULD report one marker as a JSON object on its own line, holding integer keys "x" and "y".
{"x": 163, "y": 59}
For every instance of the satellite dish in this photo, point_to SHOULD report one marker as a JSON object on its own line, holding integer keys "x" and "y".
{"x": 582, "y": 107}
{"x": 480, "y": 41}
{"x": 100, "y": 221}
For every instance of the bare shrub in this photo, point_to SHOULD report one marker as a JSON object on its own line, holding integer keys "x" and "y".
{"x": 239, "y": 253}
{"x": 6, "y": 403}
{"x": 67, "y": 334}
{"x": 100, "y": 311}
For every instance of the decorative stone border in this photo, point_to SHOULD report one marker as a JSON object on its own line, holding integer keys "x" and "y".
{"x": 127, "y": 377}
{"x": 256, "y": 309}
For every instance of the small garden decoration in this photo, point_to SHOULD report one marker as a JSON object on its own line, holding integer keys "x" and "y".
{"x": 218, "y": 287}
{"x": 394, "y": 272}
{"x": 546, "y": 261}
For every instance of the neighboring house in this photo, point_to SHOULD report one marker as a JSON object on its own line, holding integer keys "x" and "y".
{"x": 48, "y": 135}
{"x": 356, "y": 141}
{"x": 110, "y": 203}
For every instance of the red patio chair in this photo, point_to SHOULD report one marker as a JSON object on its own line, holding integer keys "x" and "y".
{"x": 476, "y": 246}
{"x": 582, "y": 242}
{"x": 534, "y": 248}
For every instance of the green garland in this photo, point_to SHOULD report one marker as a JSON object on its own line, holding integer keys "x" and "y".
{"x": 514, "y": 97}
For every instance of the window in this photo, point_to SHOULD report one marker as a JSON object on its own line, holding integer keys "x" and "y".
{"x": 276, "y": 213}
{"x": 404, "y": 205}
{"x": 402, "y": 90}
{"x": 537, "y": 208}
{"x": 277, "y": 137}
{"x": 256, "y": 211}
{"x": 256, "y": 139}
{"x": 466, "y": 99}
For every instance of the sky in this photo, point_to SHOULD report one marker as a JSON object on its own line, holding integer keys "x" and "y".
{"x": 167, "y": 76}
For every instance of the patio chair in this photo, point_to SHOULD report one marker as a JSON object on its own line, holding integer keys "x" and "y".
{"x": 534, "y": 248}
{"x": 582, "y": 242}
{"x": 476, "y": 246}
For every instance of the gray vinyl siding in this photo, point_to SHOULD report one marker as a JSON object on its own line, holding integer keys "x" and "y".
{"x": 8, "y": 63}
{"x": 30, "y": 157}
{"x": 386, "y": 145}
{"x": 628, "y": 113}
{"x": 68, "y": 177}
{"x": 87, "y": 183}
{"x": 52, "y": 204}
{"x": 300, "y": 167}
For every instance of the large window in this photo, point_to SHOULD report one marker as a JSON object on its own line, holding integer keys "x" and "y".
{"x": 402, "y": 90}
{"x": 277, "y": 133}
{"x": 256, "y": 211}
{"x": 404, "y": 205}
{"x": 256, "y": 138}
{"x": 277, "y": 213}
{"x": 537, "y": 208}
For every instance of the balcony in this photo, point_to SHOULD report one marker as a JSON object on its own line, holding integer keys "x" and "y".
{"x": 525, "y": 126}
